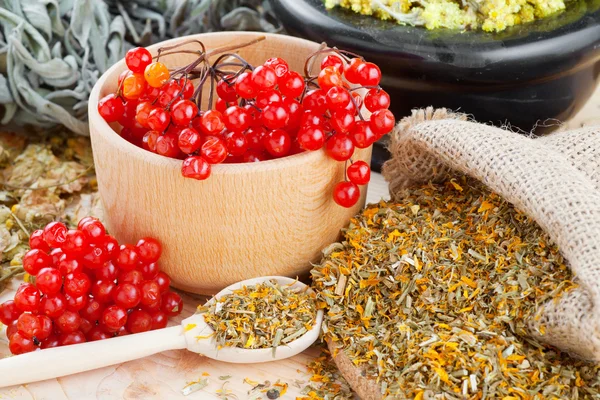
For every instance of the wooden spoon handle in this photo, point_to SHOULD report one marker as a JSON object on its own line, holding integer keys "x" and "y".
{"x": 66, "y": 360}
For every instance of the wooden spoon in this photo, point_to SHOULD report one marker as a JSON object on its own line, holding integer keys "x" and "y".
{"x": 66, "y": 360}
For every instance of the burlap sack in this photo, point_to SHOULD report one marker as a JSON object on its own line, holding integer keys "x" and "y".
{"x": 554, "y": 179}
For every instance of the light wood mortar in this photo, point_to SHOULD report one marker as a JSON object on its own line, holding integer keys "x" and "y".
{"x": 246, "y": 220}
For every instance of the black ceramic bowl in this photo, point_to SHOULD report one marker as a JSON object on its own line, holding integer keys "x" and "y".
{"x": 526, "y": 76}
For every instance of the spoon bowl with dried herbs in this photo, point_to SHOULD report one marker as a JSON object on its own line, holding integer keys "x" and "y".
{"x": 252, "y": 321}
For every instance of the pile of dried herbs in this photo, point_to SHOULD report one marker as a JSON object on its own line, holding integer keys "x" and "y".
{"x": 263, "y": 316}
{"x": 431, "y": 297}
{"x": 45, "y": 177}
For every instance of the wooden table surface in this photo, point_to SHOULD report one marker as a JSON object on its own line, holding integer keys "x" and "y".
{"x": 164, "y": 375}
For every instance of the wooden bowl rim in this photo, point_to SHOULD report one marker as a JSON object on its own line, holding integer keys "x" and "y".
{"x": 103, "y": 128}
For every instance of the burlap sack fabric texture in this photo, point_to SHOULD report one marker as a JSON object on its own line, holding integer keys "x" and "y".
{"x": 554, "y": 179}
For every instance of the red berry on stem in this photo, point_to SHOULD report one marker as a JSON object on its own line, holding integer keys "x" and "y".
{"x": 342, "y": 121}
{"x": 221, "y": 105}
{"x": 134, "y": 277}
{"x": 351, "y": 70}
{"x": 53, "y": 306}
{"x": 77, "y": 284}
{"x": 279, "y": 65}
{"x": 134, "y": 86}
{"x": 55, "y": 255}
{"x": 212, "y": 122}
{"x": 92, "y": 310}
{"x": 97, "y": 333}
{"x": 127, "y": 257}
{"x": 76, "y": 243}
{"x": 339, "y": 147}
{"x": 142, "y": 111}
{"x": 94, "y": 230}
{"x": 226, "y": 89}
{"x": 19, "y": 344}
{"x": 149, "y": 141}
{"x": 114, "y": 318}
{"x": 76, "y": 304}
{"x": 158, "y": 119}
{"x": 150, "y": 94}
{"x": 236, "y": 143}
{"x": 139, "y": 321}
{"x": 107, "y": 272}
{"x": 275, "y": 116}
{"x": 34, "y": 260}
{"x": 163, "y": 281}
{"x": 359, "y": 173}
{"x": 11, "y": 329}
{"x": 346, "y": 194}
{"x": 337, "y": 98}
{"x": 167, "y": 145}
{"x": 311, "y": 138}
{"x": 27, "y": 298}
{"x": 85, "y": 326}
{"x": 126, "y": 295}
{"x": 333, "y": 61}
{"x": 149, "y": 249}
{"x": 68, "y": 322}
{"x": 110, "y": 246}
{"x": 95, "y": 257}
{"x": 49, "y": 281}
{"x": 277, "y": 143}
{"x": 55, "y": 233}
{"x": 195, "y": 167}
{"x": 291, "y": 84}
{"x": 172, "y": 305}
{"x": 328, "y": 78}
{"x": 315, "y": 101}
{"x": 46, "y": 327}
{"x": 150, "y": 292}
{"x": 254, "y": 137}
{"x": 214, "y": 150}
{"x": 236, "y": 119}
{"x": 28, "y": 325}
{"x": 9, "y": 312}
{"x": 244, "y": 86}
{"x": 368, "y": 74}
{"x": 159, "y": 320}
{"x": 103, "y": 291}
{"x": 183, "y": 111}
{"x": 156, "y": 74}
{"x": 264, "y": 77}
{"x": 138, "y": 59}
{"x": 188, "y": 87}
{"x": 50, "y": 342}
{"x": 110, "y": 107}
{"x": 36, "y": 241}
{"x": 382, "y": 122}
{"x": 67, "y": 339}
{"x": 267, "y": 97}
{"x": 295, "y": 111}
{"x": 189, "y": 140}
{"x": 377, "y": 99}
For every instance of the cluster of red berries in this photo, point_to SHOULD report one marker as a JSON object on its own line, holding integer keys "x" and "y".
{"x": 86, "y": 288}
{"x": 261, "y": 113}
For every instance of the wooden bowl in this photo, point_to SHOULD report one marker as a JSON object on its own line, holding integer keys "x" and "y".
{"x": 246, "y": 220}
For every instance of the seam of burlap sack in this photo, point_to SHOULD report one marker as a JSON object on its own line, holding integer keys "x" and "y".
{"x": 554, "y": 180}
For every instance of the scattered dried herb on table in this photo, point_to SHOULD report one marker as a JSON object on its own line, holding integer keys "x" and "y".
{"x": 431, "y": 297}
{"x": 45, "y": 176}
{"x": 263, "y": 316}
{"x": 326, "y": 382}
